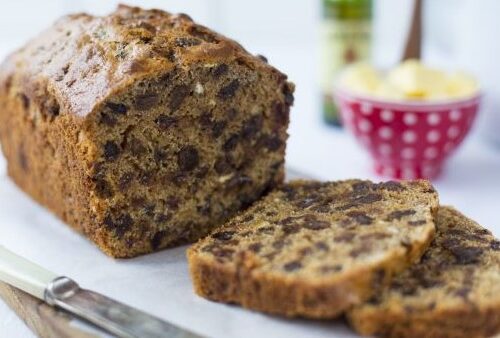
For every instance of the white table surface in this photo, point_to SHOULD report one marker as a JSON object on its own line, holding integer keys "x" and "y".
{"x": 159, "y": 283}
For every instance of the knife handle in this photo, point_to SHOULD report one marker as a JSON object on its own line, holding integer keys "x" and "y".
{"x": 23, "y": 274}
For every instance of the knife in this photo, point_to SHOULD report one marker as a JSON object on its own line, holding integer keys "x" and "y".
{"x": 64, "y": 293}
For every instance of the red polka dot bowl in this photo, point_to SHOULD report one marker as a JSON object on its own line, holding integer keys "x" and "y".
{"x": 408, "y": 139}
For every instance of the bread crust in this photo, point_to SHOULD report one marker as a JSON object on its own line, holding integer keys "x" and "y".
{"x": 69, "y": 140}
{"x": 241, "y": 279}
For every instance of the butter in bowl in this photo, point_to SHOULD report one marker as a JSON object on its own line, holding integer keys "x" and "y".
{"x": 410, "y": 118}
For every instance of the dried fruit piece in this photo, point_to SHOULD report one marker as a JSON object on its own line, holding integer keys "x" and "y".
{"x": 229, "y": 90}
{"x": 111, "y": 151}
{"x": 188, "y": 158}
{"x": 177, "y": 96}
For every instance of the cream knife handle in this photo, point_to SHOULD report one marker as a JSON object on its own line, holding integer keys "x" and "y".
{"x": 23, "y": 274}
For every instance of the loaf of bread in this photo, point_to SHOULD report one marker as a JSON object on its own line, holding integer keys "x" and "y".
{"x": 142, "y": 129}
{"x": 454, "y": 292}
{"x": 315, "y": 249}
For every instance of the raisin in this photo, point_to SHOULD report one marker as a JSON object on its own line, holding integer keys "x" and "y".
{"x": 231, "y": 114}
{"x": 187, "y": 42}
{"x": 378, "y": 279}
{"x": 205, "y": 209}
{"x": 321, "y": 208}
{"x": 22, "y": 158}
{"x": 107, "y": 119}
{"x": 160, "y": 156}
{"x": 368, "y": 199}
{"x": 220, "y": 70}
{"x": 272, "y": 143}
{"x": 222, "y": 165}
{"x": 362, "y": 187}
{"x": 188, "y": 158}
{"x": 281, "y": 113}
{"x": 405, "y": 288}
{"x": 172, "y": 203}
{"x": 482, "y": 232}
{"x": 360, "y": 217}
{"x": 238, "y": 181}
{"x": 292, "y": 266}
{"x": 466, "y": 255}
{"x": 144, "y": 25}
{"x": 463, "y": 292}
{"x": 457, "y": 232}
{"x": 248, "y": 218}
{"x": 325, "y": 269}
{"x": 262, "y": 58}
{"x": 217, "y": 128}
{"x": 162, "y": 218}
{"x": 495, "y": 245}
{"x": 231, "y": 143}
{"x": 124, "y": 181}
{"x": 417, "y": 223}
{"x": 345, "y": 237}
{"x": 291, "y": 229}
{"x": 136, "y": 147}
{"x": 118, "y": 108}
{"x": 279, "y": 244}
{"x": 146, "y": 101}
{"x": 247, "y": 233}
{"x": 269, "y": 230}
{"x": 305, "y": 251}
{"x": 182, "y": 17}
{"x": 203, "y": 34}
{"x": 223, "y": 252}
{"x": 375, "y": 235}
{"x": 391, "y": 186}
{"x": 111, "y": 151}
{"x": 121, "y": 225}
{"x": 25, "y": 101}
{"x": 288, "y": 92}
{"x": 252, "y": 127}
{"x": 146, "y": 178}
{"x": 364, "y": 248}
{"x": 205, "y": 120}
{"x": 51, "y": 109}
{"x": 271, "y": 213}
{"x": 177, "y": 96}
{"x": 164, "y": 122}
{"x": 223, "y": 235}
{"x": 255, "y": 247}
{"x": 312, "y": 223}
{"x": 148, "y": 209}
{"x": 229, "y": 90}
{"x": 157, "y": 239}
{"x": 202, "y": 172}
{"x": 102, "y": 188}
{"x": 321, "y": 246}
{"x": 398, "y": 214}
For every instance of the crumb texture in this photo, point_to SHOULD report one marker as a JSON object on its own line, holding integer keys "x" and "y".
{"x": 453, "y": 292}
{"x": 314, "y": 249}
{"x": 142, "y": 129}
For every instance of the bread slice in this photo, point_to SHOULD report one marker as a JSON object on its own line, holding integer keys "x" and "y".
{"x": 315, "y": 249}
{"x": 453, "y": 292}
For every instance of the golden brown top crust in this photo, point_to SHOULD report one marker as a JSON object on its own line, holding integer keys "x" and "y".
{"x": 82, "y": 59}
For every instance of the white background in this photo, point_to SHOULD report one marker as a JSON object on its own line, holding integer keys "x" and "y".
{"x": 459, "y": 34}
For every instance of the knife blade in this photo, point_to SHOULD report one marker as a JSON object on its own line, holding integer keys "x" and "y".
{"x": 64, "y": 293}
